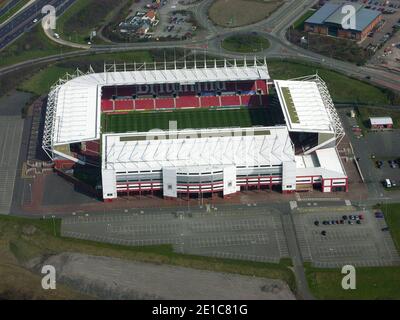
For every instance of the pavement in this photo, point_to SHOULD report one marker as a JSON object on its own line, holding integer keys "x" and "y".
{"x": 10, "y": 141}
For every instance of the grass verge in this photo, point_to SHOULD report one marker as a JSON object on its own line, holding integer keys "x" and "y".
{"x": 371, "y": 283}
{"x": 82, "y": 18}
{"x": 245, "y": 43}
{"x": 33, "y": 44}
{"x": 299, "y": 24}
{"x": 342, "y": 88}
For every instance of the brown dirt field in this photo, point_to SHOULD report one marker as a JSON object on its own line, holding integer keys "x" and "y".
{"x": 236, "y": 13}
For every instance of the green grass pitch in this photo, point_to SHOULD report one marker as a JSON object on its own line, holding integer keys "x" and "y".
{"x": 142, "y": 121}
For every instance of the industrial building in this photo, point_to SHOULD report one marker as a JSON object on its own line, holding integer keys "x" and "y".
{"x": 381, "y": 123}
{"x": 199, "y": 130}
{"x": 328, "y": 21}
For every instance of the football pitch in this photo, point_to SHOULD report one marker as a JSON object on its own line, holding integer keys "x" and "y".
{"x": 142, "y": 121}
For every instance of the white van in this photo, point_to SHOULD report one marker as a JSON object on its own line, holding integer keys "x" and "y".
{"x": 388, "y": 183}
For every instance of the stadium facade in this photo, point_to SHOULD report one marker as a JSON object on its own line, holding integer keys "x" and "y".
{"x": 196, "y": 130}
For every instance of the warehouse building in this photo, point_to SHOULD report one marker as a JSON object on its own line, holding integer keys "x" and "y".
{"x": 328, "y": 21}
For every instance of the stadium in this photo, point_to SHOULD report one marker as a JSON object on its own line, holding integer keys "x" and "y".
{"x": 199, "y": 130}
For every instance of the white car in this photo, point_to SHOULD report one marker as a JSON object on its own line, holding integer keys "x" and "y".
{"x": 35, "y": 20}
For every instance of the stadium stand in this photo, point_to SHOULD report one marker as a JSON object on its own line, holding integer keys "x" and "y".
{"x": 165, "y": 103}
{"x": 107, "y": 105}
{"x": 123, "y": 105}
{"x": 187, "y": 102}
{"x": 207, "y": 102}
{"x": 144, "y": 104}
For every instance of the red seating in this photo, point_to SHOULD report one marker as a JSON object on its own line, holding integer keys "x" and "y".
{"x": 144, "y": 104}
{"x": 123, "y": 105}
{"x": 246, "y": 100}
{"x": 230, "y": 101}
{"x": 210, "y": 101}
{"x": 187, "y": 102}
{"x": 261, "y": 85}
{"x": 107, "y": 105}
{"x": 164, "y": 103}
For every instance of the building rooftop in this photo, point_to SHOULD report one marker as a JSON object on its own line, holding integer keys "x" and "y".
{"x": 266, "y": 146}
{"x": 331, "y": 13}
{"x": 303, "y": 106}
{"x": 376, "y": 121}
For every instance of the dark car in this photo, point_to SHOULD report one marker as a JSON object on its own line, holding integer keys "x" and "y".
{"x": 358, "y": 221}
{"x": 324, "y": 222}
{"x": 316, "y": 222}
{"x": 379, "y": 214}
{"x": 323, "y": 232}
{"x": 385, "y": 229}
{"x": 344, "y": 217}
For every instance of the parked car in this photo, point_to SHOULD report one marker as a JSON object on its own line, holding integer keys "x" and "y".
{"x": 316, "y": 222}
{"x": 385, "y": 229}
{"x": 379, "y": 214}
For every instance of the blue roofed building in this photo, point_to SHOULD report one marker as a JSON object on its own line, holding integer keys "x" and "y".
{"x": 329, "y": 18}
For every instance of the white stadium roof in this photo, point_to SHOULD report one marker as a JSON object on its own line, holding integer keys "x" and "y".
{"x": 74, "y": 105}
{"x": 303, "y": 106}
{"x": 267, "y": 146}
{"x": 325, "y": 162}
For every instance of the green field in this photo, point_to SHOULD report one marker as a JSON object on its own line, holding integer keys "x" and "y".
{"x": 245, "y": 43}
{"x": 299, "y": 24}
{"x": 294, "y": 118}
{"x": 31, "y": 45}
{"x": 392, "y": 217}
{"x": 371, "y": 283}
{"x": 83, "y": 17}
{"x": 142, "y": 121}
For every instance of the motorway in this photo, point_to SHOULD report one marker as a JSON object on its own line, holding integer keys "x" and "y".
{"x": 23, "y": 21}
{"x": 273, "y": 28}
{"x": 11, "y": 4}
